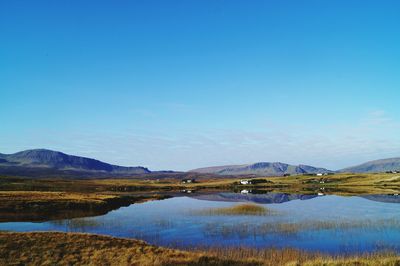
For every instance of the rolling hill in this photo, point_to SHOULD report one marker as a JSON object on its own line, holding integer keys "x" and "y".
{"x": 48, "y": 163}
{"x": 262, "y": 169}
{"x": 377, "y": 166}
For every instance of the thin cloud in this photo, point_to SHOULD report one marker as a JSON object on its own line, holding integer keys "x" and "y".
{"x": 332, "y": 146}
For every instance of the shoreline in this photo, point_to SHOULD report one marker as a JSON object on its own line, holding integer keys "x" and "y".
{"x": 39, "y": 206}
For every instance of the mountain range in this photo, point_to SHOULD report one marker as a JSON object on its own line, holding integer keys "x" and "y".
{"x": 48, "y": 161}
{"x": 42, "y": 162}
{"x": 384, "y": 165}
{"x": 262, "y": 169}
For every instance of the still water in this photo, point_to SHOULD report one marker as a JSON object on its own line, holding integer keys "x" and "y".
{"x": 330, "y": 224}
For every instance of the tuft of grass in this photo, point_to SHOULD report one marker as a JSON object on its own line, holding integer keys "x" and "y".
{"x": 241, "y": 209}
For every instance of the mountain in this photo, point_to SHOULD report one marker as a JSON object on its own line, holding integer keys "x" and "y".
{"x": 391, "y": 164}
{"x": 262, "y": 169}
{"x": 41, "y": 160}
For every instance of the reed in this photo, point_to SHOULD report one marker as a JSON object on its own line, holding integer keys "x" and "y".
{"x": 241, "y": 209}
{"x": 243, "y": 230}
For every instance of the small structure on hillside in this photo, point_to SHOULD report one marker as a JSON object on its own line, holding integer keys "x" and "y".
{"x": 188, "y": 180}
{"x": 393, "y": 172}
{"x": 245, "y": 182}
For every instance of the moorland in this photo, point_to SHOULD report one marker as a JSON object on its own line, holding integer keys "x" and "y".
{"x": 37, "y": 199}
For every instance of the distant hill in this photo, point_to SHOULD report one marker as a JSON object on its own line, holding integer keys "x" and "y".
{"x": 262, "y": 169}
{"x": 47, "y": 163}
{"x": 391, "y": 164}
{"x": 53, "y": 162}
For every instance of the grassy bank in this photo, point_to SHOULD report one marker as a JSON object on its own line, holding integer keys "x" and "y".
{"x": 345, "y": 184}
{"x": 84, "y": 249}
{"x": 42, "y": 206}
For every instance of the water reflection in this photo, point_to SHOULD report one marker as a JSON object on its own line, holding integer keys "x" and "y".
{"x": 265, "y": 197}
{"x": 325, "y": 223}
{"x": 390, "y": 198}
{"x": 78, "y": 225}
{"x": 255, "y": 196}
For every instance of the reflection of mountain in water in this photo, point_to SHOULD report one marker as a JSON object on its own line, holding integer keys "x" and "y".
{"x": 383, "y": 198}
{"x": 257, "y": 198}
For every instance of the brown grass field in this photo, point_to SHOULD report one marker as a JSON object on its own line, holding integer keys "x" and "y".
{"x": 52, "y": 248}
{"x": 50, "y": 199}
{"x": 343, "y": 183}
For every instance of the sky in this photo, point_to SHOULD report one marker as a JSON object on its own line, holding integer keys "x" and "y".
{"x": 186, "y": 84}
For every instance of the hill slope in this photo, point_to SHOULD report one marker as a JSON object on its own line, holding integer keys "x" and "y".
{"x": 45, "y": 160}
{"x": 391, "y": 164}
{"x": 262, "y": 169}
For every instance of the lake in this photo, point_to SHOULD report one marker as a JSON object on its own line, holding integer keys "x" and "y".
{"x": 326, "y": 223}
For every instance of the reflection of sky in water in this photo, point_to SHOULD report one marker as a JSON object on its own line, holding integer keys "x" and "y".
{"x": 175, "y": 222}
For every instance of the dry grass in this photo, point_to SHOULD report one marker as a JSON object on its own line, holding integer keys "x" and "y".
{"x": 241, "y": 209}
{"x": 53, "y": 196}
{"x": 293, "y": 257}
{"x": 343, "y": 183}
{"x": 41, "y": 206}
{"x": 51, "y": 248}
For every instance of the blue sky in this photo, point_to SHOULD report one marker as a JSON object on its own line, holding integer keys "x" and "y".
{"x": 185, "y": 84}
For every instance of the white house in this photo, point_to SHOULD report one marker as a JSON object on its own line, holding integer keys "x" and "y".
{"x": 185, "y": 181}
{"x": 245, "y": 182}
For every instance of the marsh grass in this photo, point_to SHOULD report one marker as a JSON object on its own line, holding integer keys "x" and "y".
{"x": 52, "y": 248}
{"x": 241, "y": 209}
{"x": 243, "y": 230}
{"x": 295, "y": 257}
